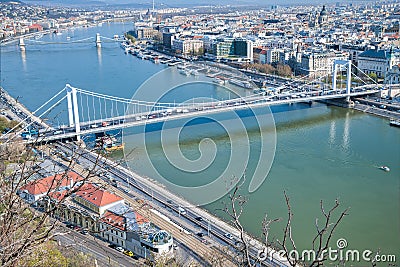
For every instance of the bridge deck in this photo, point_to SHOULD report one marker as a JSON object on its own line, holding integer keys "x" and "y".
{"x": 191, "y": 111}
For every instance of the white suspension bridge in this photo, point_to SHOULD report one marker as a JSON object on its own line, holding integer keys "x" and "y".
{"x": 90, "y": 112}
{"x": 29, "y": 40}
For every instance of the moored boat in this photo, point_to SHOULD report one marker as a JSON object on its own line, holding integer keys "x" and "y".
{"x": 114, "y": 147}
{"x": 218, "y": 81}
{"x": 109, "y": 143}
{"x": 395, "y": 123}
{"x": 184, "y": 72}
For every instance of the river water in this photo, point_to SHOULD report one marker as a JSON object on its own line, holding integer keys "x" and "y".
{"x": 322, "y": 152}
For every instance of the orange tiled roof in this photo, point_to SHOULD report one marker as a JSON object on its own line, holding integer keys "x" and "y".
{"x": 97, "y": 196}
{"x": 50, "y": 183}
{"x": 140, "y": 219}
{"x": 114, "y": 220}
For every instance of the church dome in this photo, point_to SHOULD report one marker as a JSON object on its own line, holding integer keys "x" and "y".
{"x": 323, "y": 12}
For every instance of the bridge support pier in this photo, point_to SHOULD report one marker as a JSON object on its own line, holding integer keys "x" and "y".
{"x": 334, "y": 76}
{"x": 348, "y": 81}
{"x": 347, "y": 64}
{"x": 73, "y": 111}
{"x": 22, "y": 44}
{"x": 98, "y": 40}
{"x": 70, "y": 112}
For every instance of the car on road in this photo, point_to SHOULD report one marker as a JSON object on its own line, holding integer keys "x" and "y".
{"x": 199, "y": 218}
{"x": 204, "y": 241}
{"x": 181, "y": 210}
{"x": 120, "y": 249}
{"x": 84, "y": 231}
{"x": 128, "y": 253}
{"x": 112, "y": 246}
{"x": 228, "y": 235}
{"x": 200, "y": 234}
{"x": 77, "y": 228}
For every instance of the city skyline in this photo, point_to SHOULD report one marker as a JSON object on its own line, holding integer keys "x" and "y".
{"x": 178, "y": 3}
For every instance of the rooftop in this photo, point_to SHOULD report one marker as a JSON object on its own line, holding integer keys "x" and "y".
{"x": 97, "y": 196}
{"x": 52, "y": 183}
{"x": 372, "y": 53}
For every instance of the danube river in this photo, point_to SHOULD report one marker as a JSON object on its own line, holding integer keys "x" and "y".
{"x": 322, "y": 152}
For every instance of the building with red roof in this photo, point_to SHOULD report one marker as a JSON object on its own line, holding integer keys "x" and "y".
{"x": 96, "y": 199}
{"x": 35, "y": 28}
{"x": 125, "y": 227}
{"x": 100, "y": 211}
{"x": 39, "y": 188}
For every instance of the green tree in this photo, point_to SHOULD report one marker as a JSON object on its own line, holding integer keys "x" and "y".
{"x": 130, "y": 37}
{"x": 4, "y": 123}
{"x": 50, "y": 254}
{"x": 373, "y": 76}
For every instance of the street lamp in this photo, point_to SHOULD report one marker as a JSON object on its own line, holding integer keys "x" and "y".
{"x": 208, "y": 227}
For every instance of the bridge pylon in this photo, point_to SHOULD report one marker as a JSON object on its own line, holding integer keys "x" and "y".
{"x": 73, "y": 111}
{"x": 22, "y": 44}
{"x": 347, "y": 64}
{"x": 98, "y": 40}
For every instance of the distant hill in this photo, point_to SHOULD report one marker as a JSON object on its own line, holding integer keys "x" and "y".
{"x": 8, "y": 1}
{"x": 182, "y": 3}
{"x": 65, "y": 2}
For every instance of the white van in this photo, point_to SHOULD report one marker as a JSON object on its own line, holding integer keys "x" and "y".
{"x": 181, "y": 211}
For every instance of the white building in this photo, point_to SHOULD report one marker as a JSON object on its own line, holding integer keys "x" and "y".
{"x": 188, "y": 46}
{"x": 124, "y": 227}
{"x": 393, "y": 75}
{"x": 37, "y": 189}
{"x": 273, "y": 55}
{"x": 319, "y": 63}
{"x": 377, "y": 61}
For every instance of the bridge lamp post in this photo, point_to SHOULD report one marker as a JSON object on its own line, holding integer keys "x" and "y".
{"x": 129, "y": 184}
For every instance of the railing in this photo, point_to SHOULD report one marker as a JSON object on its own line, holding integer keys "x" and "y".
{"x": 194, "y": 110}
